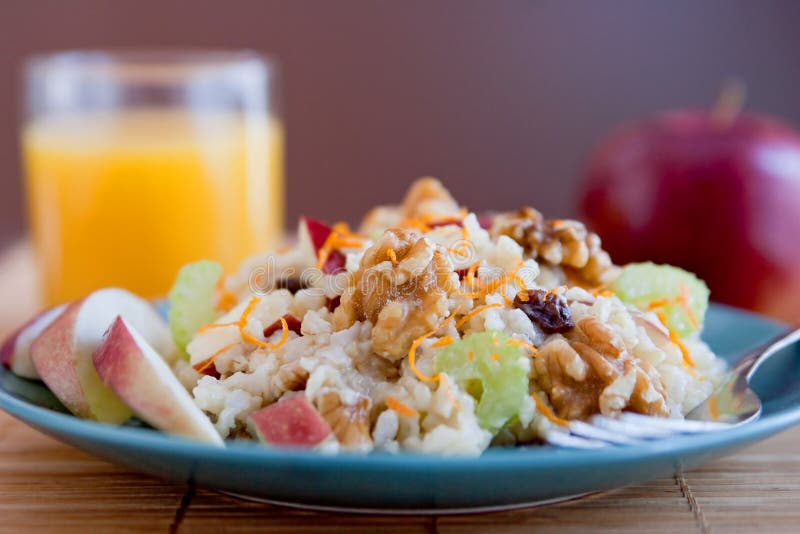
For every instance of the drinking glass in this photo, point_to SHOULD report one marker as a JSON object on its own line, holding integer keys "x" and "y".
{"x": 139, "y": 162}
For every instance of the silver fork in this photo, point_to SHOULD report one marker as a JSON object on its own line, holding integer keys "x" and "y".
{"x": 732, "y": 403}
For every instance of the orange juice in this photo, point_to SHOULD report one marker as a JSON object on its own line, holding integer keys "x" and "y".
{"x": 126, "y": 198}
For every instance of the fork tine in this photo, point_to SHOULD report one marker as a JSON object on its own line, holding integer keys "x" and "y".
{"x": 579, "y": 428}
{"x": 682, "y": 426}
{"x": 631, "y": 429}
{"x": 625, "y": 429}
{"x": 563, "y": 439}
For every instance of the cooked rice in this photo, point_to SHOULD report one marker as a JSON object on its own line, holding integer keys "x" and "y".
{"x": 343, "y": 362}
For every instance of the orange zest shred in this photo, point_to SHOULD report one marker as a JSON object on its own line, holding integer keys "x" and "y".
{"x": 521, "y": 285}
{"x": 459, "y": 252}
{"x": 430, "y": 218}
{"x": 486, "y": 288}
{"x": 400, "y": 408}
{"x": 443, "y": 342}
{"x": 523, "y": 344}
{"x": 494, "y": 284}
{"x": 241, "y": 323}
{"x": 495, "y": 357}
{"x": 215, "y": 325}
{"x": 340, "y": 237}
{"x": 555, "y": 290}
{"x": 470, "y": 356}
{"x": 208, "y": 362}
{"x": 271, "y": 346}
{"x": 412, "y": 357}
{"x": 412, "y": 351}
{"x": 434, "y": 219}
{"x": 341, "y": 227}
{"x": 658, "y": 303}
{"x": 414, "y": 223}
{"x": 447, "y": 391}
{"x": 673, "y": 337}
{"x": 470, "y": 276}
{"x": 461, "y": 322}
{"x": 547, "y": 412}
{"x": 227, "y": 300}
{"x": 392, "y": 255}
{"x": 681, "y": 300}
{"x": 713, "y": 408}
{"x": 606, "y": 293}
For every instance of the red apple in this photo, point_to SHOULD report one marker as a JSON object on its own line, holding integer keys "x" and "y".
{"x": 62, "y": 353}
{"x": 720, "y": 198}
{"x": 138, "y": 375}
{"x": 16, "y": 350}
{"x": 290, "y": 422}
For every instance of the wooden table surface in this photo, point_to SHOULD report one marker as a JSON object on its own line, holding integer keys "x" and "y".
{"x": 48, "y": 486}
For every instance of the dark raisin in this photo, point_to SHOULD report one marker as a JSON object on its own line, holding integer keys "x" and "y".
{"x": 291, "y": 321}
{"x": 548, "y": 311}
{"x": 334, "y": 303}
{"x": 292, "y": 284}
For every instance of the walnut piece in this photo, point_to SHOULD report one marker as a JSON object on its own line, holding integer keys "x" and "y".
{"x": 349, "y": 422}
{"x": 403, "y": 292}
{"x": 565, "y": 243}
{"x": 591, "y": 372}
{"x": 426, "y": 197}
{"x": 290, "y": 377}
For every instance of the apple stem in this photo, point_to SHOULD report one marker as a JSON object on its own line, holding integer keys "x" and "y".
{"x": 729, "y": 104}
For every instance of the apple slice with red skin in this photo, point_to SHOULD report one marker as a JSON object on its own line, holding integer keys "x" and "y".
{"x": 62, "y": 353}
{"x": 335, "y": 263}
{"x": 131, "y": 367}
{"x": 292, "y": 322}
{"x": 290, "y": 422}
{"x": 317, "y": 231}
{"x": 312, "y": 235}
{"x": 15, "y": 354}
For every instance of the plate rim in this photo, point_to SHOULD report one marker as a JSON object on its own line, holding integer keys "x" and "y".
{"x": 48, "y": 421}
{"x": 60, "y": 424}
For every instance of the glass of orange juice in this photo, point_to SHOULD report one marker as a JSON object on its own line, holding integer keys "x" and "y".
{"x": 138, "y": 162}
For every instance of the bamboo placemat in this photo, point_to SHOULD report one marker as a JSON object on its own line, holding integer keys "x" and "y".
{"x": 48, "y": 486}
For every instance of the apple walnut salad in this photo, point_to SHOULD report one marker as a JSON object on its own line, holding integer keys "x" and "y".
{"x": 428, "y": 329}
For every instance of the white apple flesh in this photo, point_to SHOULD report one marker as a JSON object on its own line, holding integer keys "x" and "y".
{"x": 139, "y": 376}
{"x": 62, "y": 353}
{"x": 311, "y": 235}
{"x": 210, "y": 341}
{"x": 15, "y": 353}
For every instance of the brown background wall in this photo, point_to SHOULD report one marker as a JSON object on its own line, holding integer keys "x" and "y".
{"x": 501, "y": 99}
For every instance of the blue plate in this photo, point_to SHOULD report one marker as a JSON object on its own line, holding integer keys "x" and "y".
{"x": 406, "y": 483}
